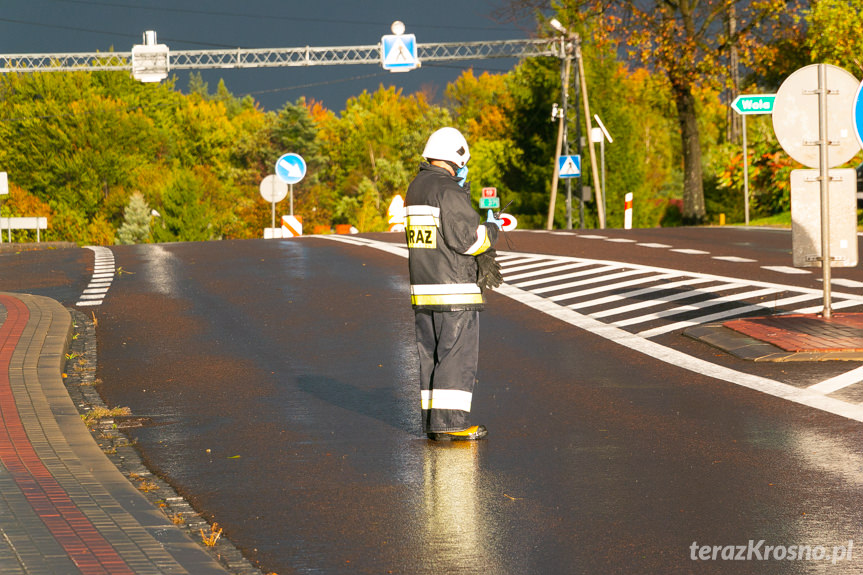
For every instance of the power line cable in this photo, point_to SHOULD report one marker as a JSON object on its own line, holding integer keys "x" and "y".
{"x": 269, "y": 16}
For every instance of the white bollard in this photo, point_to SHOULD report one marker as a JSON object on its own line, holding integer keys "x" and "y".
{"x": 627, "y": 211}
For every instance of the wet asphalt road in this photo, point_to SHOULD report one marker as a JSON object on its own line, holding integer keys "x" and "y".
{"x": 280, "y": 379}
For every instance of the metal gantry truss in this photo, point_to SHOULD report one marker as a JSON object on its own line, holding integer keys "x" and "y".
{"x": 276, "y": 57}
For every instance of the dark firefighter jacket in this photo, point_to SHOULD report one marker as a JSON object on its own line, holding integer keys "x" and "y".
{"x": 444, "y": 234}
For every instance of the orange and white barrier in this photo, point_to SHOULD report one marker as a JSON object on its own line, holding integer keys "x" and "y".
{"x": 292, "y": 226}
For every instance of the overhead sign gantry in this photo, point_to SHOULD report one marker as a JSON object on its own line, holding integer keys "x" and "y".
{"x": 151, "y": 62}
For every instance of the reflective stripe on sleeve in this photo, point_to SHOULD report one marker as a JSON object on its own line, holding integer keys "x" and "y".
{"x": 446, "y": 399}
{"x": 482, "y": 242}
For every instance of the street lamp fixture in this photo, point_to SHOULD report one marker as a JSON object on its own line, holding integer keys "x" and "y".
{"x": 555, "y": 23}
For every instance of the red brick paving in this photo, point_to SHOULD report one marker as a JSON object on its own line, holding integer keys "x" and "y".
{"x": 805, "y": 332}
{"x": 70, "y": 527}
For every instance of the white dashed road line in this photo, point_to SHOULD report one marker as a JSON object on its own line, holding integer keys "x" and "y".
{"x": 734, "y": 259}
{"x": 103, "y": 275}
{"x": 785, "y": 270}
{"x": 651, "y": 245}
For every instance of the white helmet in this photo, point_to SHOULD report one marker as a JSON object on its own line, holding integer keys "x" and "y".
{"x": 447, "y": 144}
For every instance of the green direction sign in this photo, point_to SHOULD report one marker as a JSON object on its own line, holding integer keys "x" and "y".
{"x": 754, "y": 104}
{"x": 489, "y": 203}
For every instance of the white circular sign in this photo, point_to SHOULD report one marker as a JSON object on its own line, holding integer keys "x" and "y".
{"x": 796, "y": 116}
{"x": 509, "y": 222}
{"x": 273, "y": 189}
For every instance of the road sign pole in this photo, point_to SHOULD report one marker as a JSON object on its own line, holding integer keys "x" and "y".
{"x": 744, "y": 105}
{"x": 273, "y": 185}
{"x": 745, "y": 171}
{"x": 825, "y": 187}
{"x": 291, "y": 192}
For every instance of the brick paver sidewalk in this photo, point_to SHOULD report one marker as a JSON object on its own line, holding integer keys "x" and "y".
{"x": 805, "y": 333}
{"x": 64, "y": 507}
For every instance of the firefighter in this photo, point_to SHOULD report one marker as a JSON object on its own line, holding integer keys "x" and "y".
{"x": 451, "y": 260}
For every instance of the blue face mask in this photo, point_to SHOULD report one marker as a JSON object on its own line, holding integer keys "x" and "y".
{"x": 461, "y": 174}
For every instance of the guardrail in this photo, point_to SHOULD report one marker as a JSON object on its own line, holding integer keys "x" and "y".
{"x": 22, "y": 223}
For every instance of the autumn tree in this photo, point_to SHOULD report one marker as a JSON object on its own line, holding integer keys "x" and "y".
{"x": 688, "y": 42}
{"x": 835, "y": 33}
{"x": 384, "y": 125}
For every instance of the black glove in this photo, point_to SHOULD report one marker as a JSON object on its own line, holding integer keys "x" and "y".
{"x": 488, "y": 270}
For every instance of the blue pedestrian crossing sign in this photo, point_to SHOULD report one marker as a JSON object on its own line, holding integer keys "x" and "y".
{"x": 291, "y": 168}
{"x": 399, "y": 52}
{"x": 569, "y": 166}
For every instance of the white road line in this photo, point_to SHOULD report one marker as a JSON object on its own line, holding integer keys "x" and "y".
{"x": 591, "y": 272}
{"x": 736, "y": 312}
{"x": 734, "y": 259}
{"x": 543, "y": 280}
{"x": 713, "y": 302}
{"x": 590, "y": 237}
{"x": 103, "y": 276}
{"x": 621, "y": 240}
{"x": 507, "y": 257}
{"x": 833, "y": 305}
{"x": 843, "y": 282}
{"x": 665, "y": 299}
{"x": 652, "y": 245}
{"x": 507, "y": 269}
{"x": 617, "y": 285}
{"x": 638, "y": 292}
{"x": 839, "y": 382}
{"x": 571, "y": 295}
{"x": 785, "y": 270}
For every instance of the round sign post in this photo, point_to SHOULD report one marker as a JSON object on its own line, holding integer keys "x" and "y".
{"x": 810, "y": 118}
{"x": 273, "y": 190}
{"x": 291, "y": 168}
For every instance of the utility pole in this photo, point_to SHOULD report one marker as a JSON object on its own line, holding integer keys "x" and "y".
{"x": 600, "y": 209}
{"x": 560, "y": 114}
{"x": 576, "y": 45}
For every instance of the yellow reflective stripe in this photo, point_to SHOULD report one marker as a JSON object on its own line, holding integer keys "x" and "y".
{"x": 446, "y": 294}
{"x": 450, "y": 299}
{"x": 446, "y": 399}
{"x": 482, "y": 242}
{"x": 436, "y": 289}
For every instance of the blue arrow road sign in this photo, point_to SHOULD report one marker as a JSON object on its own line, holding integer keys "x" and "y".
{"x": 291, "y": 168}
{"x": 569, "y": 166}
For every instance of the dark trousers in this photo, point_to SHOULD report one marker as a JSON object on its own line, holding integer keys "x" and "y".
{"x": 448, "y": 345}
